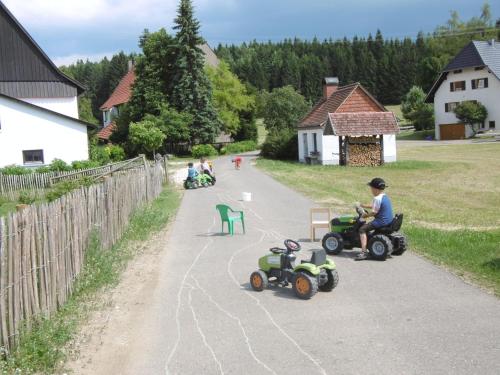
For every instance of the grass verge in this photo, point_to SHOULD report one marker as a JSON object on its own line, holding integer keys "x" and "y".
{"x": 41, "y": 350}
{"x": 412, "y": 135}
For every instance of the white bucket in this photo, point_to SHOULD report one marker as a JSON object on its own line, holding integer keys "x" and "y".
{"x": 246, "y": 197}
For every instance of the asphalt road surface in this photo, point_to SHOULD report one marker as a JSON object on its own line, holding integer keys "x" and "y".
{"x": 402, "y": 316}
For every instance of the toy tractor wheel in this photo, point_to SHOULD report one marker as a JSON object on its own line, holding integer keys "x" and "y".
{"x": 258, "y": 281}
{"x": 402, "y": 245}
{"x": 333, "y": 280}
{"x": 305, "y": 286}
{"x": 380, "y": 247}
{"x": 333, "y": 243}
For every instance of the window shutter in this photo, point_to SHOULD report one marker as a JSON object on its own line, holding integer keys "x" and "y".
{"x": 452, "y": 87}
{"x": 446, "y": 108}
{"x": 486, "y": 83}
{"x": 473, "y": 84}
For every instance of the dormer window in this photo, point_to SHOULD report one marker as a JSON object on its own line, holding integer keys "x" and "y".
{"x": 479, "y": 68}
{"x": 458, "y": 71}
{"x": 457, "y": 86}
{"x": 481, "y": 83}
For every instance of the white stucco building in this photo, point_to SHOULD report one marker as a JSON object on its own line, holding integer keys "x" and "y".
{"x": 473, "y": 75}
{"x": 346, "y": 116}
{"x": 38, "y": 103}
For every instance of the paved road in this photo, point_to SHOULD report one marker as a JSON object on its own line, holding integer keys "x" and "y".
{"x": 403, "y": 316}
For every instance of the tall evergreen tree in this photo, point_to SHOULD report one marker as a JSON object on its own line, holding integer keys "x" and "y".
{"x": 192, "y": 90}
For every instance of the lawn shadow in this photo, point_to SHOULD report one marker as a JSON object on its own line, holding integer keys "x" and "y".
{"x": 493, "y": 264}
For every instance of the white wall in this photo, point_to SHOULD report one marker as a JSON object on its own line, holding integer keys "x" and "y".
{"x": 328, "y": 146}
{"x": 489, "y": 97}
{"x": 65, "y": 106}
{"x": 28, "y": 128}
{"x": 390, "y": 148}
{"x": 331, "y": 152}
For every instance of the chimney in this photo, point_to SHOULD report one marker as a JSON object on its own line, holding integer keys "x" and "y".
{"x": 492, "y": 42}
{"x": 130, "y": 65}
{"x": 330, "y": 85}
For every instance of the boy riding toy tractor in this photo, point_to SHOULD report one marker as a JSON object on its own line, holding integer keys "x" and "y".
{"x": 306, "y": 278}
{"x": 377, "y": 239}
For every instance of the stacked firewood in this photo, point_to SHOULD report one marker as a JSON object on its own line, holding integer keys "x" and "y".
{"x": 364, "y": 154}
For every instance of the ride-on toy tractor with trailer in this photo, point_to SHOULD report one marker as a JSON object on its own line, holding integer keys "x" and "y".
{"x": 382, "y": 242}
{"x": 306, "y": 278}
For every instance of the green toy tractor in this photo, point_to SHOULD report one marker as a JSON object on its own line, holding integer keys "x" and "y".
{"x": 382, "y": 242}
{"x": 306, "y": 278}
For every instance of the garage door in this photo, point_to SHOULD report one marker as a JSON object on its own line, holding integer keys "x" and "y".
{"x": 452, "y": 131}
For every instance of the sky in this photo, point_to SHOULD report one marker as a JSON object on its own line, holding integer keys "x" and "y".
{"x": 68, "y": 30}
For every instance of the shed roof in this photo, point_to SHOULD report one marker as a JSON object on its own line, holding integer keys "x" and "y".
{"x": 357, "y": 124}
{"x": 318, "y": 116}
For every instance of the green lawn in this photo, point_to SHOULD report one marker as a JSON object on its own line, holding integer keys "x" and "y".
{"x": 411, "y": 135}
{"x": 450, "y": 196}
{"x": 397, "y": 111}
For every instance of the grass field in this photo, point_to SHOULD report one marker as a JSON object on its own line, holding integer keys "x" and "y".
{"x": 262, "y": 132}
{"x": 450, "y": 196}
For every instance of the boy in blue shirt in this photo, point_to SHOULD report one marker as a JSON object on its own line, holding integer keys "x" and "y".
{"x": 381, "y": 210}
{"x": 192, "y": 172}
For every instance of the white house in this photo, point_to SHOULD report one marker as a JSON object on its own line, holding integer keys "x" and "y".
{"x": 38, "y": 103}
{"x": 473, "y": 75}
{"x": 347, "y": 121}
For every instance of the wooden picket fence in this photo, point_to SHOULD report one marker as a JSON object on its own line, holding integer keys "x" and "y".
{"x": 42, "y": 248}
{"x": 37, "y": 183}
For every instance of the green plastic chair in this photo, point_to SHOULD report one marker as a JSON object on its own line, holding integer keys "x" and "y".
{"x": 225, "y": 216}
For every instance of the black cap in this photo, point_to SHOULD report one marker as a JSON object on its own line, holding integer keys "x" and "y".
{"x": 377, "y": 183}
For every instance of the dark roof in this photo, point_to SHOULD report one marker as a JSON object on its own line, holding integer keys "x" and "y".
{"x": 19, "y": 101}
{"x": 122, "y": 92}
{"x": 475, "y": 54}
{"x": 319, "y": 113}
{"x": 22, "y": 59}
{"x": 357, "y": 124}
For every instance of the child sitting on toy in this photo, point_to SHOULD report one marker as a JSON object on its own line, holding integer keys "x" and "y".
{"x": 381, "y": 210}
{"x": 206, "y": 168}
{"x": 192, "y": 172}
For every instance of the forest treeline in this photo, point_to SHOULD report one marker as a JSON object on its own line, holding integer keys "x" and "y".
{"x": 387, "y": 67}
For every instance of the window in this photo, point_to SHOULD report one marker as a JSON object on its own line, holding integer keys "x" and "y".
{"x": 315, "y": 142}
{"x": 450, "y": 107}
{"x": 492, "y": 124}
{"x": 479, "y": 68}
{"x": 481, "y": 83}
{"x": 458, "y": 71}
{"x": 33, "y": 157}
{"x": 457, "y": 86}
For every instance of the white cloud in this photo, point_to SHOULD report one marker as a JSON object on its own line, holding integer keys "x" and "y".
{"x": 76, "y": 13}
{"x": 70, "y": 59}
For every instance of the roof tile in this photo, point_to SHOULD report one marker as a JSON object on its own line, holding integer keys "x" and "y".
{"x": 122, "y": 93}
{"x": 356, "y": 124}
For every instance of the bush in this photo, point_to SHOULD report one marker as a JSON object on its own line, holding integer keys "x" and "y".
{"x": 26, "y": 197}
{"x": 84, "y": 164}
{"x": 59, "y": 165}
{"x": 200, "y": 151}
{"x": 281, "y": 145}
{"x": 62, "y": 188}
{"x": 15, "y": 170}
{"x": 116, "y": 153}
{"x": 239, "y": 147}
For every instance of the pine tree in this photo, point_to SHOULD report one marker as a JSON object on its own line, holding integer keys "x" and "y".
{"x": 192, "y": 92}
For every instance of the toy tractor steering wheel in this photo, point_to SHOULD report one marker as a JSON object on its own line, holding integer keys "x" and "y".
{"x": 361, "y": 211}
{"x": 292, "y": 245}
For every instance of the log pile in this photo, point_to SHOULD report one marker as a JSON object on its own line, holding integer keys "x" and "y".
{"x": 364, "y": 154}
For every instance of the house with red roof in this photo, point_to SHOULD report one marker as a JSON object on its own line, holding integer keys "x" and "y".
{"x": 347, "y": 126}
{"x": 123, "y": 92}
